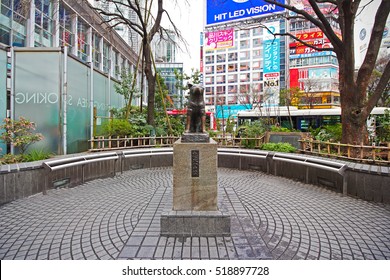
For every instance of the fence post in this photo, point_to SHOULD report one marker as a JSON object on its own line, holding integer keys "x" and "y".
{"x": 373, "y": 152}
{"x": 361, "y": 151}
{"x": 338, "y": 149}
{"x": 388, "y": 151}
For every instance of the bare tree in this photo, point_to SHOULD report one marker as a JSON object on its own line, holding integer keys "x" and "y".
{"x": 356, "y": 105}
{"x": 149, "y": 14}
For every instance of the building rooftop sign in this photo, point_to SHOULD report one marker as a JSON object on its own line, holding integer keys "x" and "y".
{"x": 223, "y": 11}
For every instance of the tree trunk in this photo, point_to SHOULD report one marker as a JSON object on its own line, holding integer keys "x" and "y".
{"x": 151, "y": 80}
{"x": 353, "y": 116}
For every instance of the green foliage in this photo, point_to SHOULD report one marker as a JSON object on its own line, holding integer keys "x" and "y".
{"x": 279, "y": 129}
{"x": 126, "y": 87}
{"x": 19, "y": 133}
{"x": 252, "y": 130}
{"x": 117, "y": 127}
{"x": 10, "y": 159}
{"x": 183, "y": 78}
{"x": 331, "y": 133}
{"x": 278, "y": 147}
{"x": 383, "y": 127}
{"x": 35, "y": 155}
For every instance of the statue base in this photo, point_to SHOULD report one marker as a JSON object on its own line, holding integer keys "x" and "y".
{"x": 195, "y": 223}
{"x": 189, "y": 137}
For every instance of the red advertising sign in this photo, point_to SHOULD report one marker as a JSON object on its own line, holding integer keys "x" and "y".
{"x": 219, "y": 39}
{"x": 310, "y": 35}
{"x": 313, "y": 42}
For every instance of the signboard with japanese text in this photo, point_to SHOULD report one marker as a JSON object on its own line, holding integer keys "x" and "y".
{"x": 313, "y": 54}
{"x": 222, "y": 11}
{"x": 271, "y": 60}
{"x": 219, "y": 39}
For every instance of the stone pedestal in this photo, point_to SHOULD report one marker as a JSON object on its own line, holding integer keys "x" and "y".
{"x": 195, "y": 191}
{"x": 195, "y": 176}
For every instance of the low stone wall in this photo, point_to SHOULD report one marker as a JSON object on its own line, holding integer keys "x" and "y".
{"x": 368, "y": 182}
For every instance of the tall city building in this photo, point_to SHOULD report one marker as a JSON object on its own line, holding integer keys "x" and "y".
{"x": 249, "y": 67}
{"x": 244, "y": 66}
{"x": 131, "y": 37}
{"x": 314, "y": 72}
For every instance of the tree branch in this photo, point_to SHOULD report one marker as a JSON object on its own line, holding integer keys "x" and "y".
{"x": 381, "y": 86}
{"x": 322, "y": 23}
{"x": 368, "y": 65}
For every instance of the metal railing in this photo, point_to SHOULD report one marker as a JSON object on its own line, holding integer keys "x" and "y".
{"x": 83, "y": 160}
{"x": 361, "y": 153}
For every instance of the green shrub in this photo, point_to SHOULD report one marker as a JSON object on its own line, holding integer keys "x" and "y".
{"x": 10, "y": 159}
{"x": 331, "y": 133}
{"x": 35, "y": 155}
{"x": 278, "y": 147}
{"x": 117, "y": 127}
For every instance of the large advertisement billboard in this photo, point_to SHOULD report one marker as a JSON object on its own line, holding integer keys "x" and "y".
{"x": 222, "y": 11}
{"x": 219, "y": 39}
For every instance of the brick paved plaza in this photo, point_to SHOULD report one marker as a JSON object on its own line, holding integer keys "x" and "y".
{"x": 119, "y": 218}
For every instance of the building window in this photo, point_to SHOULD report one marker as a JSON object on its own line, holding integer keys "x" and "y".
{"x": 13, "y": 22}
{"x": 43, "y": 23}
{"x": 244, "y": 66}
{"x": 232, "y": 89}
{"x": 96, "y": 51}
{"x": 232, "y": 78}
{"x": 256, "y": 76}
{"x": 245, "y": 55}
{"x": 244, "y": 33}
{"x": 221, "y": 79}
{"x": 209, "y": 90}
{"x": 244, "y": 44}
{"x": 245, "y": 77}
{"x": 232, "y": 67}
{"x": 256, "y": 65}
{"x": 209, "y": 69}
{"x": 232, "y": 57}
{"x": 209, "y": 59}
{"x": 257, "y": 54}
{"x": 220, "y": 89}
{"x": 82, "y": 40}
{"x": 257, "y": 42}
{"x": 221, "y": 69}
{"x": 209, "y": 80}
{"x": 66, "y": 35}
{"x": 257, "y": 31}
{"x": 221, "y": 58}
{"x": 106, "y": 57}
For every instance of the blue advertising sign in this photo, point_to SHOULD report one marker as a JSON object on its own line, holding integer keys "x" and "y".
{"x": 313, "y": 54}
{"x": 221, "y": 11}
{"x": 271, "y": 56}
{"x": 226, "y": 111}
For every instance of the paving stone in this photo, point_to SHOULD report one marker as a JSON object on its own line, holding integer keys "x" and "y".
{"x": 96, "y": 221}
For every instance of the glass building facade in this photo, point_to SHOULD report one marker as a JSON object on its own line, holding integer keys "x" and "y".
{"x": 59, "y": 64}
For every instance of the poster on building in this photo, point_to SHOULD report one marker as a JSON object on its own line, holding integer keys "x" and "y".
{"x": 271, "y": 67}
{"x": 219, "y": 39}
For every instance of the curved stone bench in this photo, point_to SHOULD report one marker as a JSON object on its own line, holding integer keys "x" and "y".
{"x": 368, "y": 182}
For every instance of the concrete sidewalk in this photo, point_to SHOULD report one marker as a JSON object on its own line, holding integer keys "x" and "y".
{"x": 119, "y": 218}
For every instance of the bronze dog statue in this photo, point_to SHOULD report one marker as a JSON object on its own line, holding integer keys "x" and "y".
{"x": 196, "y": 115}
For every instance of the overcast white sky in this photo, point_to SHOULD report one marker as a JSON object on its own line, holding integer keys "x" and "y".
{"x": 189, "y": 18}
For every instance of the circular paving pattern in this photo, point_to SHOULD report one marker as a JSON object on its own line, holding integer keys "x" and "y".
{"x": 118, "y": 218}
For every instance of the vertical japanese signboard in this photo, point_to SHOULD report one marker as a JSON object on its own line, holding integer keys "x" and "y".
{"x": 271, "y": 67}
